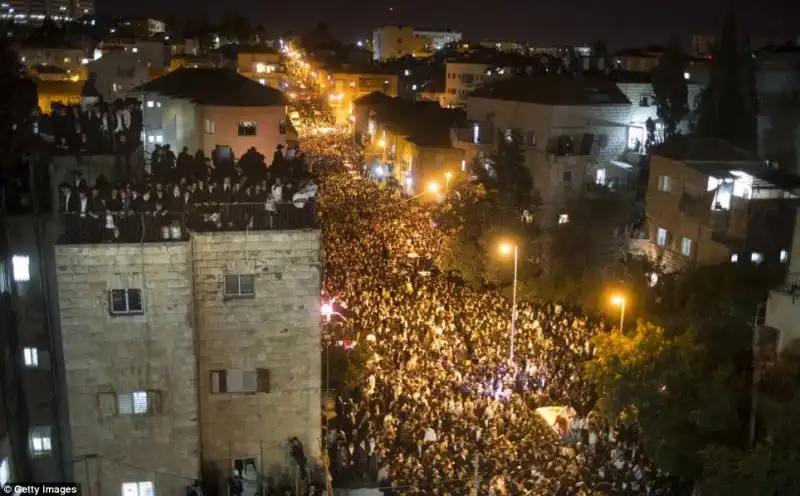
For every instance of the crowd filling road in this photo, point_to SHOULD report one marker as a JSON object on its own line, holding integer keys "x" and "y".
{"x": 440, "y": 407}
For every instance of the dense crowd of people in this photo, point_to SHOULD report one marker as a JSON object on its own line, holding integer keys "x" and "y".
{"x": 192, "y": 192}
{"x": 441, "y": 407}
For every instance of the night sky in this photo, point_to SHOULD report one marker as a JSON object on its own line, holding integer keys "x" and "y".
{"x": 621, "y": 23}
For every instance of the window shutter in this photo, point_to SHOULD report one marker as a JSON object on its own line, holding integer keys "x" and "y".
{"x": 135, "y": 302}
{"x": 231, "y": 285}
{"x": 124, "y": 403}
{"x": 154, "y": 402}
{"x": 249, "y": 381}
{"x": 141, "y": 402}
{"x": 235, "y": 381}
{"x": 263, "y": 380}
{"x": 247, "y": 285}
{"x": 116, "y": 301}
{"x": 219, "y": 381}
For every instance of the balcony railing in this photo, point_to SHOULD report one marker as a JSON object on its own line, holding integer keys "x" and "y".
{"x": 170, "y": 226}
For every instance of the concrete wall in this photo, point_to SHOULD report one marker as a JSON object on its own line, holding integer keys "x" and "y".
{"x": 105, "y": 355}
{"x": 277, "y": 329}
{"x": 457, "y": 83}
{"x": 226, "y": 128}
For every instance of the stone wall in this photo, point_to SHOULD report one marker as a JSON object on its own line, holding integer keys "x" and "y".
{"x": 277, "y": 329}
{"x": 104, "y": 355}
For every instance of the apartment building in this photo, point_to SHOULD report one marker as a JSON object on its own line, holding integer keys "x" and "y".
{"x": 638, "y": 88}
{"x": 392, "y": 42}
{"x": 782, "y": 316}
{"x": 261, "y": 64}
{"x": 151, "y": 52}
{"x": 411, "y": 142}
{"x": 208, "y": 109}
{"x": 709, "y": 202}
{"x": 69, "y": 59}
{"x": 35, "y": 11}
{"x": 574, "y": 133}
{"x": 118, "y": 73}
{"x": 348, "y": 83}
{"x": 431, "y": 40}
{"x": 461, "y": 79}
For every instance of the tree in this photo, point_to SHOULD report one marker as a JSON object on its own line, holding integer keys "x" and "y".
{"x": 507, "y": 177}
{"x": 600, "y": 48}
{"x": 728, "y": 106}
{"x": 234, "y": 26}
{"x": 670, "y": 88}
{"x": 659, "y": 383}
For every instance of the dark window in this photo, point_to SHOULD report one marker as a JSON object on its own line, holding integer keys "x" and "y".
{"x": 240, "y": 381}
{"x": 240, "y": 286}
{"x": 125, "y": 302}
{"x": 247, "y": 128}
{"x": 567, "y": 176}
{"x": 282, "y": 127}
{"x": 644, "y": 101}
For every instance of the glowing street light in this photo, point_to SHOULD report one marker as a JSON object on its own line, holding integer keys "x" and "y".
{"x": 447, "y": 176}
{"x": 327, "y": 310}
{"x": 620, "y": 302}
{"x": 382, "y": 143}
{"x": 506, "y": 249}
{"x": 433, "y": 187}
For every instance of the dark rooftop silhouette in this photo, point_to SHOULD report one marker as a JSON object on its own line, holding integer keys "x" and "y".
{"x": 221, "y": 87}
{"x": 554, "y": 90}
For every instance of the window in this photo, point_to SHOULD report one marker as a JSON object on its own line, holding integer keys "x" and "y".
{"x": 150, "y": 104}
{"x": 158, "y": 104}
{"x": 665, "y": 184}
{"x": 784, "y": 256}
{"x": 247, "y": 128}
{"x": 30, "y": 357}
{"x": 151, "y": 139}
{"x": 135, "y": 403}
{"x": 563, "y": 218}
{"x": 644, "y": 101}
{"x": 262, "y": 81}
{"x": 530, "y": 138}
{"x": 21, "y": 267}
{"x": 5, "y": 472}
{"x": 39, "y": 441}
{"x": 240, "y": 381}
{"x": 600, "y": 176}
{"x": 261, "y": 67}
{"x": 686, "y": 247}
{"x": 125, "y": 302}
{"x": 240, "y": 286}
{"x": 137, "y": 489}
{"x": 211, "y": 126}
{"x": 567, "y": 176}
{"x": 734, "y": 257}
{"x": 282, "y": 127}
{"x": 756, "y": 257}
{"x": 662, "y": 237}
{"x": 159, "y": 139}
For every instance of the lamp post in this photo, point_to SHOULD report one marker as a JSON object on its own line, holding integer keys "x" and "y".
{"x": 505, "y": 249}
{"x": 447, "y": 176}
{"x": 620, "y": 301}
{"x": 432, "y": 188}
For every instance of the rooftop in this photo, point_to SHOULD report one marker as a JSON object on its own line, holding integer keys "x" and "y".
{"x": 59, "y": 87}
{"x": 374, "y": 98}
{"x": 700, "y": 149}
{"x": 554, "y": 90}
{"x": 221, "y": 87}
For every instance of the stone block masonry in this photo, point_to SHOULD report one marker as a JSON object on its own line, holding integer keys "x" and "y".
{"x": 105, "y": 355}
{"x": 276, "y": 329}
{"x": 188, "y": 329}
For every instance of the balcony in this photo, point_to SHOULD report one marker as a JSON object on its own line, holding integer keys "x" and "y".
{"x": 172, "y": 226}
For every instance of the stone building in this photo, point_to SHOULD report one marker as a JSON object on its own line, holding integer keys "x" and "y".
{"x": 185, "y": 357}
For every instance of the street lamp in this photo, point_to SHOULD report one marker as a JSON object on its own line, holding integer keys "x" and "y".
{"x": 506, "y": 249}
{"x": 447, "y": 176}
{"x": 432, "y": 188}
{"x": 620, "y": 301}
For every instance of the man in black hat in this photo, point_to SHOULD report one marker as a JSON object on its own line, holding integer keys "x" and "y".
{"x": 277, "y": 157}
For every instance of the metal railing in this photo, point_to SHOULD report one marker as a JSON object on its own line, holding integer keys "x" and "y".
{"x": 171, "y": 226}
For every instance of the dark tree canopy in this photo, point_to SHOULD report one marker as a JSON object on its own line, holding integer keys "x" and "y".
{"x": 670, "y": 88}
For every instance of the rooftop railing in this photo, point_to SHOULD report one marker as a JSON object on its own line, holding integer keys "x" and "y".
{"x": 172, "y": 226}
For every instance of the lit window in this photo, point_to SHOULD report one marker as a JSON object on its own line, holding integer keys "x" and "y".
{"x": 261, "y": 68}
{"x": 756, "y": 257}
{"x": 685, "y": 75}
{"x": 784, "y": 256}
{"x": 21, "y": 267}
{"x": 158, "y": 104}
{"x": 563, "y": 218}
{"x": 66, "y": 60}
{"x": 661, "y": 237}
{"x": 137, "y": 489}
{"x": 150, "y": 104}
{"x": 262, "y": 81}
{"x": 5, "y": 472}
{"x": 134, "y": 403}
{"x": 407, "y": 72}
{"x": 211, "y": 127}
{"x": 476, "y": 133}
{"x": 125, "y": 302}
{"x": 665, "y": 184}
{"x": 463, "y": 165}
{"x": 686, "y": 247}
{"x": 600, "y": 176}
{"x": 159, "y": 139}
{"x": 39, "y": 441}
{"x": 151, "y": 139}
{"x": 30, "y": 357}
{"x": 734, "y": 258}
{"x": 135, "y": 50}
